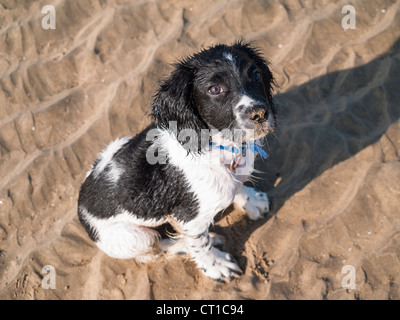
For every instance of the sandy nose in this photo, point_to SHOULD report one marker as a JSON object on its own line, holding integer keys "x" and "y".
{"x": 258, "y": 113}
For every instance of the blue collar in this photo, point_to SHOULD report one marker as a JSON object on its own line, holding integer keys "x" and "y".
{"x": 252, "y": 146}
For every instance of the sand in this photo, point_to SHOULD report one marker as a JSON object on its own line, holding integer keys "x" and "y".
{"x": 333, "y": 173}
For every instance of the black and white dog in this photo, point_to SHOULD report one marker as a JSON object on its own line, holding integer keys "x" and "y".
{"x": 158, "y": 176}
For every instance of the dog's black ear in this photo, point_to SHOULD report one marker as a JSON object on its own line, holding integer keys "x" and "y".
{"x": 174, "y": 101}
{"x": 256, "y": 55}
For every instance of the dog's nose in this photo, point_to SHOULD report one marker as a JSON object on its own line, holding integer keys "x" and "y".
{"x": 258, "y": 113}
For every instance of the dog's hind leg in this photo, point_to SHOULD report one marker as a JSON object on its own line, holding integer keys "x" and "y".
{"x": 122, "y": 236}
{"x": 127, "y": 241}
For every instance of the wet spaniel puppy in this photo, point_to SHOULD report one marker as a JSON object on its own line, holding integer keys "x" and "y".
{"x": 189, "y": 164}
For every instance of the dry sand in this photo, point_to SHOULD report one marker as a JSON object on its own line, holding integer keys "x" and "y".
{"x": 333, "y": 172}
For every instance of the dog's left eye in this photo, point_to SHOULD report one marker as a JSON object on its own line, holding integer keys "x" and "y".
{"x": 215, "y": 89}
{"x": 256, "y": 76}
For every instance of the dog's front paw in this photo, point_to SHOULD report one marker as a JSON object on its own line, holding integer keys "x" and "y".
{"x": 220, "y": 266}
{"x": 254, "y": 202}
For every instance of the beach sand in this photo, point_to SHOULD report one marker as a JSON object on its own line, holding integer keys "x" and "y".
{"x": 333, "y": 172}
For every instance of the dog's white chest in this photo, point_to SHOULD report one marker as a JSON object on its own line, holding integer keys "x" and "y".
{"x": 214, "y": 188}
{"x": 213, "y": 185}
{"x": 211, "y": 181}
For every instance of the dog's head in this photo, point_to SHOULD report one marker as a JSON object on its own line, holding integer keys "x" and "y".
{"x": 223, "y": 87}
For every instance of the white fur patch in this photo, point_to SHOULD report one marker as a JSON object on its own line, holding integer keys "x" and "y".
{"x": 114, "y": 172}
{"x": 107, "y": 154}
{"x": 244, "y": 101}
{"x": 89, "y": 172}
{"x": 123, "y": 236}
{"x": 228, "y": 56}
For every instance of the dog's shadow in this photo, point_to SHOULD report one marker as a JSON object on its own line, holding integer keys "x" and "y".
{"x": 321, "y": 123}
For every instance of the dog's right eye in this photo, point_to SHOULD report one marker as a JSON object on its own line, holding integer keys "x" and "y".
{"x": 215, "y": 90}
{"x": 256, "y": 76}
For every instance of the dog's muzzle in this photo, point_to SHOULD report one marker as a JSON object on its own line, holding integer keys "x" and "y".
{"x": 256, "y": 116}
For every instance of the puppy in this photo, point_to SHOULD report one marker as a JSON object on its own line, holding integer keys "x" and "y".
{"x": 188, "y": 165}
